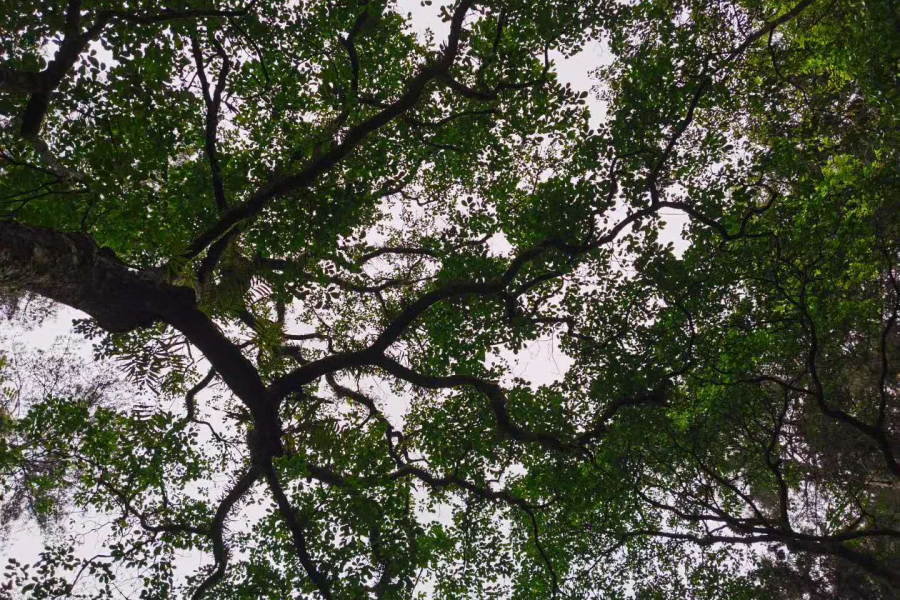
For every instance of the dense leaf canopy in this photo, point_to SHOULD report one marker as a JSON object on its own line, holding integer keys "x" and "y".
{"x": 313, "y": 238}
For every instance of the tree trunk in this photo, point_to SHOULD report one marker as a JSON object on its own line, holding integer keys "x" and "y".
{"x": 68, "y": 268}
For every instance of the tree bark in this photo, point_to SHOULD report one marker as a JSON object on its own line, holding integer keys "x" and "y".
{"x": 13, "y": 81}
{"x": 69, "y": 268}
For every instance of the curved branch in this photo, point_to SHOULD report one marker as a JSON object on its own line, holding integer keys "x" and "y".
{"x": 495, "y": 395}
{"x": 372, "y": 354}
{"x": 706, "y": 81}
{"x": 281, "y": 187}
{"x": 68, "y": 268}
{"x": 190, "y": 402}
{"x": 321, "y": 580}
{"x": 213, "y": 101}
{"x": 220, "y": 552}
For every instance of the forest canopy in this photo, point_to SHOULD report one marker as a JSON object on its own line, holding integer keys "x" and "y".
{"x": 311, "y": 240}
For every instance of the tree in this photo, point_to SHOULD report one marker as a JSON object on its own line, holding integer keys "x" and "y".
{"x": 297, "y": 203}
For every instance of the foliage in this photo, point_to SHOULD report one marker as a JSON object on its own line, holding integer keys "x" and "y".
{"x": 353, "y": 232}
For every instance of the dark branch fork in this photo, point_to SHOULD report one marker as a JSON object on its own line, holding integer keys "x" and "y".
{"x": 280, "y": 187}
{"x": 214, "y": 530}
{"x": 876, "y": 432}
{"x": 41, "y": 261}
{"x": 68, "y": 268}
{"x": 40, "y": 86}
{"x": 406, "y": 469}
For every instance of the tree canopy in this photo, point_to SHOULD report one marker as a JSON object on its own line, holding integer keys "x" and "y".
{"x": 312, "y": 236}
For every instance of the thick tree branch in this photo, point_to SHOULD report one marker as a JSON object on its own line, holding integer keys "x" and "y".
{"x": 69, "y": 269}
{"x": 328, "y": 160}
